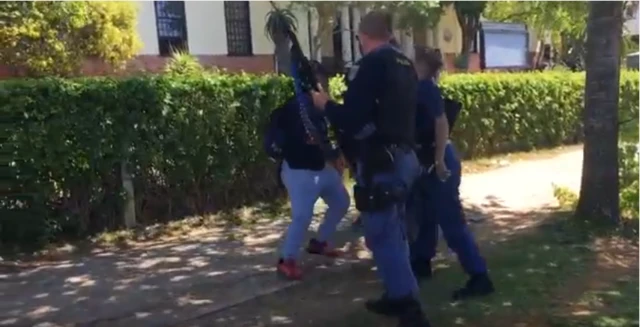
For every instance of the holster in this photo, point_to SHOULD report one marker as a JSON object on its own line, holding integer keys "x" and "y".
{"x": 370, "y": 197}
{"x": 376, "y": 198}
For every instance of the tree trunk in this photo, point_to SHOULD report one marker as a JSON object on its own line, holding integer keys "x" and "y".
{"x": 469, "y": 28}
{"x": 599, "y": 192}
{"x": 283, "y": 55}
{"x": 467, "y": 38}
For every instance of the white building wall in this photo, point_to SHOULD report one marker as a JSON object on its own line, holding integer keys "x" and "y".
{"x": 631, "y": 25}
{"x": 346, "y": 35}
{"x": 147, "y": 28}
{"x": 206, "y": 28}
{"x": 258, "y": 11}
{"x": 303, "y": 31}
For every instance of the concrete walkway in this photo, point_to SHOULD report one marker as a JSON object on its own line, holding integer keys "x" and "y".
{"x": 167, "y": 283}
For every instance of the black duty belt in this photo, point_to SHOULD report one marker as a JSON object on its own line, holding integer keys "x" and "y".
{"x": 399, "y": 146}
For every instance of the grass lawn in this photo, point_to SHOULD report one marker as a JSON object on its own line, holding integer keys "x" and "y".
{"x": 555, "y": 274}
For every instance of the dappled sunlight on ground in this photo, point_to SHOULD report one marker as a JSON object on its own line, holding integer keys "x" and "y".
{"x": 213, "y": 274}
{"x": 549, "y": 275}
{"x": 607, "y": 295}
{"x": 152, "y": 282}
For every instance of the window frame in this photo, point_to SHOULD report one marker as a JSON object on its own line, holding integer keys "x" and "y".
{"x": 233, "y": 49}
{"x": 180, "y": 21}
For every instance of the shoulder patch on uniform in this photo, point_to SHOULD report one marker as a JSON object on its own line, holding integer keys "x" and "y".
{"x": 353, "y": 71}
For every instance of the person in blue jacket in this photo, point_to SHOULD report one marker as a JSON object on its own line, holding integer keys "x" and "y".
{"x": 308, "y": 172}
{"x": 437, "y": 201}
{"x": 379, "y": 112}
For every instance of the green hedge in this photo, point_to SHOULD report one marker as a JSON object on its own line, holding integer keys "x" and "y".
{"x": 629, "y": 174}
{"x": 522, "y": 111}
{"x": 194, "y": 143}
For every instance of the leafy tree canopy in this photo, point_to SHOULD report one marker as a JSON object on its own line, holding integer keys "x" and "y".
{"x": 558, "y": 17}
{"x": 278, "y": 20}
{"x": 54, "y": 37}
{"x": 468, "y": 14}
{"x": 409, "y": 14}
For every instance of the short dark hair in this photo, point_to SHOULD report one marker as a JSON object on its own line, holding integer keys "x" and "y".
{"x": 377, "y": 25}
{"x": 432, "y": 58}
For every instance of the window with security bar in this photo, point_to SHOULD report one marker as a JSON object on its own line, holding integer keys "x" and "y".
{"x": 171, "y": 22}
{"x": 238, "y": 23}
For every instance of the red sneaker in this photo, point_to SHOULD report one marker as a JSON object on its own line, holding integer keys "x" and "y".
{"x": 289, "y": 269}
{"x": 322, "y": 248}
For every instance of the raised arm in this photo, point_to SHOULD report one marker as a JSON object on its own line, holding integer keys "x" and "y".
{"x": 354, "y": 116}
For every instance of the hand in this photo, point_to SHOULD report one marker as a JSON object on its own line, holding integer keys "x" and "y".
{"x": 338, "y": 165}
{"x": 320, "y": 98}
{"x": 442, "y": 171}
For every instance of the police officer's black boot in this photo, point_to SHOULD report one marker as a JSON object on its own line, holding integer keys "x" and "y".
{"x": 413, "y": 317}
{"x": 477, "y": 285}
{"x": 390, "y": 307}
{"x": 421, "y": 269}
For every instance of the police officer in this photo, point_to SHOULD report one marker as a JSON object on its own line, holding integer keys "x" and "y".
{"x": 357, "y": 223}
{"x": 308, "y": 173}
{"x": 379, "y": 110}
{"x": 436, "y": 198}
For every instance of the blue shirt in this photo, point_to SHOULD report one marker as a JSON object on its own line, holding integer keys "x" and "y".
{"x": 287, "y": 132}
{"x": 430, "y": 107}
{"x": 430, "y": 96}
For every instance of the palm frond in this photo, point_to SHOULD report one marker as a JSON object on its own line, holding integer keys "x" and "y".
{"x": 278, "y": 21}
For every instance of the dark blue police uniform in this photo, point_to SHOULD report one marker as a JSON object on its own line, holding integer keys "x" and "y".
{"x": 437, "y": 203}
{"x": 379, "y": 112}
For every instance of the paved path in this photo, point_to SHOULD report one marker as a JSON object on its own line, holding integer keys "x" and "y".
{"x": 167, "y": 283}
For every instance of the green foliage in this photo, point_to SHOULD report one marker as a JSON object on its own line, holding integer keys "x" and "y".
{"x": 557, "y": 17}
{"x": 409, "y": 14}
{"x": 521, "y": 111}
{"x": 629, "y": 45}
{"x": 468, "y": 14}
{"x": 54, "y": 37}
{"x": 337, "y": 87}
{"x": 629, "y": 187}
{"x": 326, "y": 11}
{"x": 566, "y": 21}
{"x": 629, "y": 176}
{"x": 194, "y": 142}
{"x": 183, "y": 63}
{"x": 278, "y": 21}
{"x": 567, "y": 198}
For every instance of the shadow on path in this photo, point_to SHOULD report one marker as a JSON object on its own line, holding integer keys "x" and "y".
{"x": 194, "y": 279}
{"x": 547, "y": 276}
